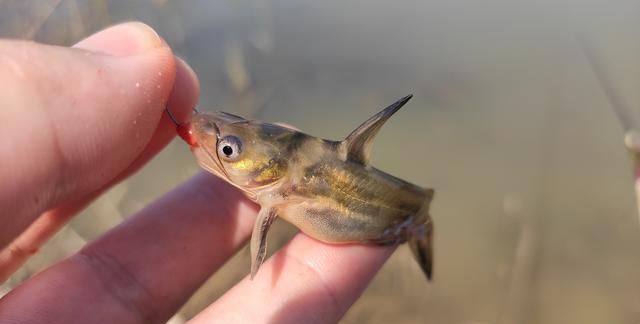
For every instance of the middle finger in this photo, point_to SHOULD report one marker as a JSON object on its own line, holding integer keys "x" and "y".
{"x": 146, "y": 268}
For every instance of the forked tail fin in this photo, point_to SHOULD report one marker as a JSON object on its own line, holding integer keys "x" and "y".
{"x": 421, "y": 242}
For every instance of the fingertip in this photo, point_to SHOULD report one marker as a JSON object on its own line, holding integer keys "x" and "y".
{"x": 122, "y": 40}
{"x": 306, "y": 281}
{"x": 347, "y": 268}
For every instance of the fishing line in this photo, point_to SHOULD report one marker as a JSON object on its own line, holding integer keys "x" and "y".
{"x": 173, "y": 119}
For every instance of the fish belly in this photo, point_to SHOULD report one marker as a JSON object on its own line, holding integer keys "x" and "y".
{"x": 337, "y": 224}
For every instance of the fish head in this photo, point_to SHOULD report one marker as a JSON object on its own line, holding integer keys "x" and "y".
{"x": 248, "y": 154}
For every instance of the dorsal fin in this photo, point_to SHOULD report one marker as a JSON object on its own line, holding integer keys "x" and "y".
{"x": 358, "y": 143}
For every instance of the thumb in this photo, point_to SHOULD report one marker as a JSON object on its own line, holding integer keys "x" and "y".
{"x": 73, "y": 119}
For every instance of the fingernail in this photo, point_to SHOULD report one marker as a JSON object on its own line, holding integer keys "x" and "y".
{"x": 184, "y": 70}
{"x": 123, "y": 40}
{"x": 185, "y": 93}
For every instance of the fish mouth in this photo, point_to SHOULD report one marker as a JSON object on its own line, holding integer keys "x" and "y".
{"x": 206, "y": 129}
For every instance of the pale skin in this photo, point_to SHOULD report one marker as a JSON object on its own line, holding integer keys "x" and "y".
{"x": 67, "y": 135}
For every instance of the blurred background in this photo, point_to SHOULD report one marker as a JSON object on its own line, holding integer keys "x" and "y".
{"x": 535, "y": 211}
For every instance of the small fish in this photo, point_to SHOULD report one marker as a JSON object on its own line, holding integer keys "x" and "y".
{"x": 325, "y": 188}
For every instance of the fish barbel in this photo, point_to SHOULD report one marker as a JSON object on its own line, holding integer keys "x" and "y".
{"x": 325, "y": 188}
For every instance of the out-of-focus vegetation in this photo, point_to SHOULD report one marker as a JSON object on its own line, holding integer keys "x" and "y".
{"x": 535, "y": 212}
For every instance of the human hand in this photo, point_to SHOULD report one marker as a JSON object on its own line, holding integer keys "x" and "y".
{"x": 73, "y": 122}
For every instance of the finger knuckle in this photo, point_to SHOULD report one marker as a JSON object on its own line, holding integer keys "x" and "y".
{"x": 120, "y": 284}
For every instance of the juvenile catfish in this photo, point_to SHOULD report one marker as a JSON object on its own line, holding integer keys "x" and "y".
{"x": 325, "y": 188}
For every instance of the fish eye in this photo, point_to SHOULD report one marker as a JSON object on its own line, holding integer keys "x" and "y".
{"x": 229, "y": 147}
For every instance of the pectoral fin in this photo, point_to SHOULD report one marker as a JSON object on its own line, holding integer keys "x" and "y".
{"x": 265, "y": 218}
{"x": 358, "y": 143}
